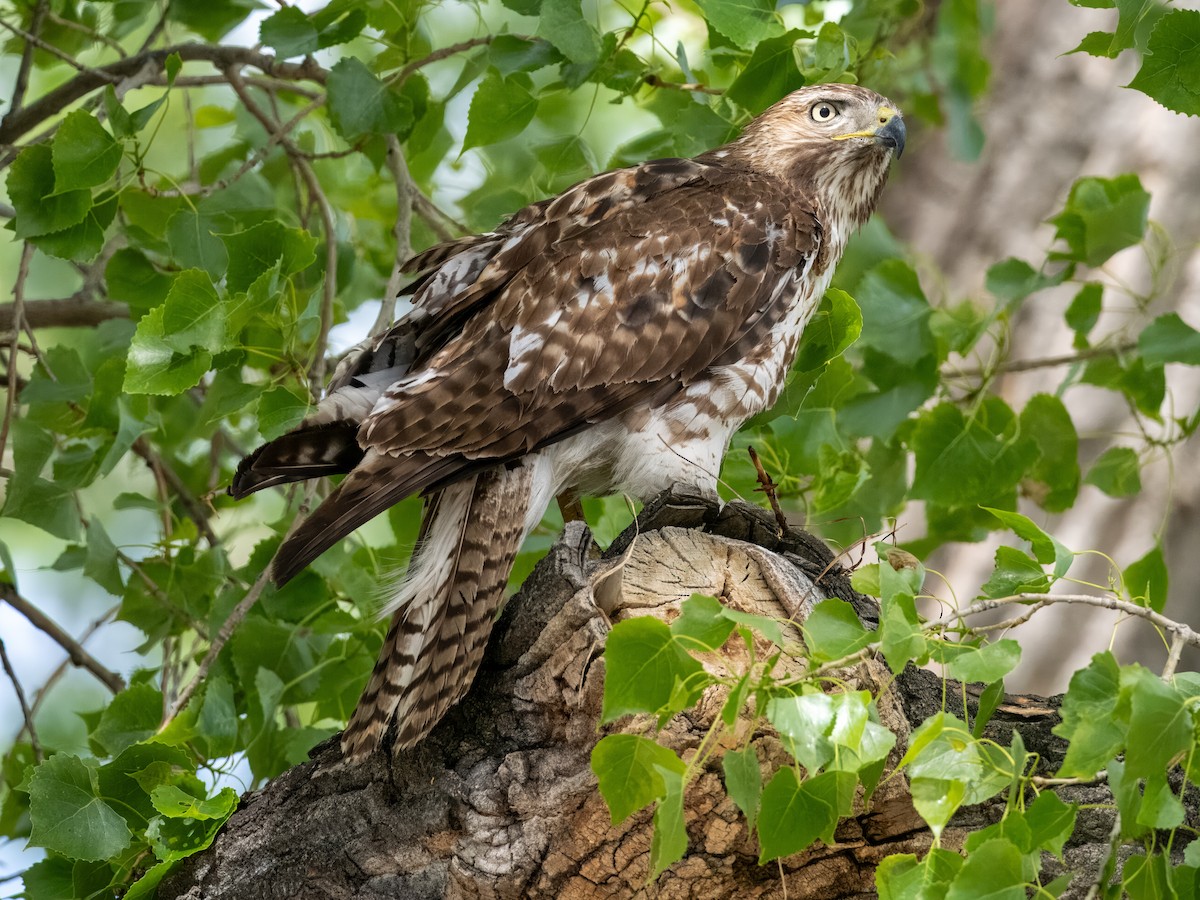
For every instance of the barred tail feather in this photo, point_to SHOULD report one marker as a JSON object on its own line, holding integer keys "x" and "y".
{"x": 445, "y": 605}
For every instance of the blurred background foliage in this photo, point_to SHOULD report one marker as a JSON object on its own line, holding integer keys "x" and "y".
{"x": 206, "y": 201}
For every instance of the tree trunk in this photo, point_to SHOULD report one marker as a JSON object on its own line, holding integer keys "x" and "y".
{"x": 500, "y": 802}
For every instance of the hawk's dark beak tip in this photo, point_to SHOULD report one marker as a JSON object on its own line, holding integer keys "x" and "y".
{"x": 892, "y": 135}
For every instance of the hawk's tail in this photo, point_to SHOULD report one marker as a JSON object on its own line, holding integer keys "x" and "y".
{"x": 445, "y": 605}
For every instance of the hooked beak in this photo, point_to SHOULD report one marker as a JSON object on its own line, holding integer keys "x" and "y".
{"x": 892, "y": 132}
{"x": 889, "y": 131}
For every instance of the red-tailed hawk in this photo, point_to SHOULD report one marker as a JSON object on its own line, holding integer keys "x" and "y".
{"x": 611, "y": 339}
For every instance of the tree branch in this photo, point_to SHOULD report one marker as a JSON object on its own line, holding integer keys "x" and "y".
{"x": 18, "y": 325}
{"x": 76, "y": 311}
{"x": 445, "y": 52}
{"x": 79, "y": 656}
{"x": 19, "y": 122}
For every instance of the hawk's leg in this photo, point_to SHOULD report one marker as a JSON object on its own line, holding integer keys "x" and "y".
{"x": 572, "y": 508}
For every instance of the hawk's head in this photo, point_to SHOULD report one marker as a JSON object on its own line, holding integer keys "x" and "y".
{"x": 837, "y": 140}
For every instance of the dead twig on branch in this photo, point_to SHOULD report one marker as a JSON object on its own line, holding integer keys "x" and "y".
{"x": 768, "y": 487}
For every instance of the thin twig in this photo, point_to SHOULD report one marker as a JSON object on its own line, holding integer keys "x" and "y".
{"x": 22, "y": 82}
{"x": 1178, "y": 629}
{"x": 18, "y": 324}
{"x": 443, "y": 53}
{"x": 26, "y": 712}
{"x": 1173, "y": 657}
{"x": 1049, "y": 362}
{"x": 44, "y": 623}
{"x": 401, "y": 234}
{"x": 767, "y": 486}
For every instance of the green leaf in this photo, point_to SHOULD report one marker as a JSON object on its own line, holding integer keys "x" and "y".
{"x": 1146, "y": 580}
{"x": 986, "y": 664}
{"x": 764, "y": 625}
{"x": 1051, "y": 822}
{"x": 84, "y": 154}
{"x": 1094, "y": 718}
{"x": 743, "y": 781}
{"x": 1147, "y": 877}
{"x": 290, "y": 32}
{"x": 792, "y": 816}
{"x": 40, "y": 209}
{"x": 100, "y": 564}
{"x": 989, "y": 702}
{"x": 745, "y": 22}
{"x": 643, "y": 665}
{"x": 1161, "y": 719}
{"x": 1097, "y": 43}
{"x": 175, "y": 803}
{"x": 669, "y": 842}
{"x": 769, "y": 75}
{"x": 991, "y": 871}
{"x": 1170, "y": 339}
{"x": 193, "y": 316}
{"x": 895, "y": 313}
{"x": 1160, "y": 807}
{"x": 1116, "y": 472}
{"x": 153, "y": 365}
{"x": 501, "y": 108}
{"x": 82, "y": 242}
{"x": 562, "y": 23}
{"x": 833, "y": 631}
{"x": 702, "y": 621}
{"x": 1014, "y": 279}
{"x": 901, "y": 877}
{"x": 937, "y": 800}
{"x": 280, "y": 410}
{"x": 1102, "y": 216}
{"x": 1053, "y": 480}
{"x": 835, "y": 326}
{"x": 963, "y": 462}
{"x": 67, "y": 814}
{"x": 804, "y": 722}
{"x": 131, "y": 278}
{"x": 254, "y": 251}
{"x": 193, "y": 242}
{"x": 1084, "y": 311}
{"x": 629, "y": 769}
{"x": 1045, "y": 547}
{"x": 1015, "y": 573}
{"x": 901, "y": 639}
{"x": 133, "y": 715}
{"x": 360, "y": 104}
{"x": 1170, "y": 72}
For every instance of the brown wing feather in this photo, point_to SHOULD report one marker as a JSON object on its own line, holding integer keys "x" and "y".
{"x": 613, "y": 295}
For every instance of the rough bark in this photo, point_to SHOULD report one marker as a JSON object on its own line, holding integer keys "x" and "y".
{"x": 499, "y": 802}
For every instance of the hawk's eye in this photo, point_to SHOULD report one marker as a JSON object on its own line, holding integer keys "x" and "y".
{"x": 824, "y": 112}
